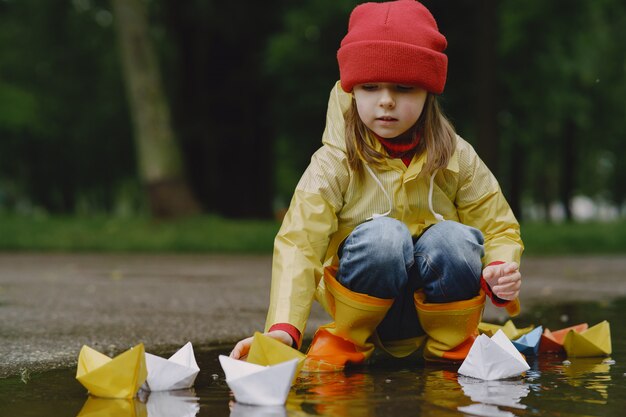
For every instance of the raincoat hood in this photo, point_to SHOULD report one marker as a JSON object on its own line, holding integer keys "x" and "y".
{"x": 338, "y": 103}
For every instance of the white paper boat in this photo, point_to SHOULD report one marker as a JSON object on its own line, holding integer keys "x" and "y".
{"x": 172, "y": 404}
{"x": 177, "y": 372}
{"x": 256, "y": 384}
{"x": 493, "y": 358}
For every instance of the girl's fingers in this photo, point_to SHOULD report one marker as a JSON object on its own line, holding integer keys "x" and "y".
{"x": 236, "y": 352}
{"x": 507, "y": 279}
{"x": 514, "y": 286}
{"x": 511, "y": 267}
{"x": 240, "y": 351}
{"x": 508, "y": 291}
{"x": 508, "y": 295}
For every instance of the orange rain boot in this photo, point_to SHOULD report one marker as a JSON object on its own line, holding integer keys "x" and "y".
{"x": 347, "y": 339}
{"x": 451, "y": 327}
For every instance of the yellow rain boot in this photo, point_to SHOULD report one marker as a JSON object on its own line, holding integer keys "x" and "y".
{"x": 347, "y": 339}
{"x": 451, "y": 327}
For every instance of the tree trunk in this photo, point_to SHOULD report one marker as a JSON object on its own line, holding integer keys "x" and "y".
{"x": 516, "y": 177}
{"x": 486, "y": 82}
{"x": 223, "y": 98}
{"x": 568, "y": 164}
{"x": 189, "y": 24}
{"x": 159, "y": 158}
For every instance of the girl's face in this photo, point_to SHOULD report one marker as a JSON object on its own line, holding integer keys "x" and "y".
{"x": 389, "y": 109}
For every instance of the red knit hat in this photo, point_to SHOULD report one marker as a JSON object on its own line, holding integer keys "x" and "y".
{"x": 397, "y": 42}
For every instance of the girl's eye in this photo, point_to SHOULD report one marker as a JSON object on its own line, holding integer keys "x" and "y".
{"x": 369, "y": 87}
{"x": 400, "y": 87}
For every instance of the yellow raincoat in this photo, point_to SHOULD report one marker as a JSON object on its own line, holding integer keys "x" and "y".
{"x": 330, "y": 201}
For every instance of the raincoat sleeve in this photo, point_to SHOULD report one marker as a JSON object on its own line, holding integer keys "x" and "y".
{"x": 481, "y": 204}
{"x": 302, "y": 241}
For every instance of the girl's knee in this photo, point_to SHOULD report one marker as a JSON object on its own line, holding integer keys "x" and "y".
{"x": 391, "y": 231}
{"x": 375, "y": 258}
{"x": 456, "y": 230}
{"x": 452, "y": 241}
{"x": 453, "y": 252}
{"x": 385, "y": 240}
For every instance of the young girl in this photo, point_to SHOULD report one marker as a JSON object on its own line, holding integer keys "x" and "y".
{"x": 397, "y": 227}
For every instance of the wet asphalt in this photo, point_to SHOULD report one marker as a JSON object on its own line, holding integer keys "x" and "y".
{"x": 53, "y": 304}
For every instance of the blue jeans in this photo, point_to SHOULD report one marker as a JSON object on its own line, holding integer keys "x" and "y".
{"x": 381, "y": 258}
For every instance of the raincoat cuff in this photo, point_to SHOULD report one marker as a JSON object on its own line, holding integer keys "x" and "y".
{"x": 291, "y": 330}
{"x": 497, "y": 301}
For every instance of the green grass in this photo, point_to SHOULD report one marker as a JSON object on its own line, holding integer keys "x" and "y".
{"x": 214, "y": 234}
{"x": 94, "y": 234}
{"x": 574, "y": 238}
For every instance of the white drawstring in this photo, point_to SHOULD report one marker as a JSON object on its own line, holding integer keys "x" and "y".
{"x": 377, "y": 215}
{"x": 438, "y": 216}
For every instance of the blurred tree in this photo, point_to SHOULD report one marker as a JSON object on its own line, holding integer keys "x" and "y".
{"x": 160, "y": 162}
{"x": 554, "y": 55}
{"x": 223, "y": 99}
{"x": 248, "y": 89}
{"x": 302, "y": 67}
{"x": 471, "y": 94}
{"x": 63, "y": 119}
{"x": 609, "y": 94}
{"x": 485, "y": 74}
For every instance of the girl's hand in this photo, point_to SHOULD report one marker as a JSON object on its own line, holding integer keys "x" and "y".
{"x": 241, "y": 349}
{"x": 504, "y": 280}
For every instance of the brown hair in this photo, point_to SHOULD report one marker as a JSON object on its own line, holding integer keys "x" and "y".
{"x": 438, "y": 138}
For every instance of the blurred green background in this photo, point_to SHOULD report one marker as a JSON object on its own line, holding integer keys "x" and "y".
{"x": 121, "y": 119}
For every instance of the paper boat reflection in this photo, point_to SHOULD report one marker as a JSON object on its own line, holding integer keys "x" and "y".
{"x": 507, "y": 393}
{"x": 595, "y": 341}
{"x": 259, "y": 385}
{"x": 590, "y": 373}
{"x": 119, "y": 377}
{"x": 181, "y": 403}
{"x": 245, "y": 410}
{"x": 177, "y": 372}
{"x": 112, "y": 407}
{"x": 484, "y": 410}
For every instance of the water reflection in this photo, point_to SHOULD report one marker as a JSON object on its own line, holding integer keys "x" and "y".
{"x": 507, "y": 393}
{"x": 336, "y": 394}
{"x": 179, "y": 403}
{"x": 182, "y": 403}
{"x": 589, "y": 373}
{"x": 442, "y": 389}
{"x": 485, "y": 410}
{"x": 490, "y": 395}
{"x": 555, "y": 386}
{"x": 243, "y": 410}
{"x": 112, "y": 407}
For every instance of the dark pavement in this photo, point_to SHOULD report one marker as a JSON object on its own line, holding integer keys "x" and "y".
{"x": 52, "y": 304}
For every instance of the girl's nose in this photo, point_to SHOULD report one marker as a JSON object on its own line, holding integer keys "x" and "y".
{"x": 386, "y": 100}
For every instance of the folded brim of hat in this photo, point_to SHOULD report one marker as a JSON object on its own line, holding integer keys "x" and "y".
{"x": 389, "y": 61}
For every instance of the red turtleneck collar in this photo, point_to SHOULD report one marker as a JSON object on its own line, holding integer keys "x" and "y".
{"x": 400, "y": 148}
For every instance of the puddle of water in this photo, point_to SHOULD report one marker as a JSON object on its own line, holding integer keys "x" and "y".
{"x": 553, "y": 387}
